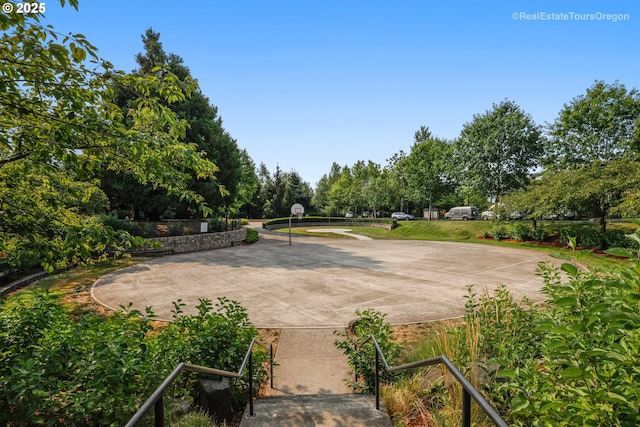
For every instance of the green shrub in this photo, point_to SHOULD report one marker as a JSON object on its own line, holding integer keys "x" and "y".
{"x": 252, "y": 236}
{"x": 148, "y": 229}
{"x": 328, "y": 220}
{"x": 87, "y": 372}
{"x": 539, "y": 234}
{"x": 593, "y": 238}
{"x": 216, "y": 224}
{"x": 175, "y": 228}
{"x": 572, "y": 362}
{"x": 590, "y": 346}
{"x": 504, "y": 341}
{"x": 130, "y": 227}
{"x": 56, "y": 369}
{"x": 218, "y": 336}
{"x": 361, "y": 351}
{"x": 500, "y": 232}
{"x": 521, "y": 231}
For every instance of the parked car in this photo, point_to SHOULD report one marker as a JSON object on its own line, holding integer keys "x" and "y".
{"x": 462, "y": 212}
{"x": 349, "y": 215}
{"x": 562, "y": 216}
{"x": 486, "y": 215}
{"x": 401, "y": 216}
{"x": 516, "y": 215}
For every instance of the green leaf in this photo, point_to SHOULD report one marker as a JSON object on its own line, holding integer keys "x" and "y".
{"x": 616, "y": 398}
{"x": 582, "y": 253}
{"x": 570, "y": 269}
{"x": 620, "y": 252}
{"x": 508, "y": 373}
{"x": 573, "y": 373}
{"x": 59, "y": 52}
{"x": 570, "y": 301}
{"x": 551, "y": 407}
{"x": 519, "y": 402}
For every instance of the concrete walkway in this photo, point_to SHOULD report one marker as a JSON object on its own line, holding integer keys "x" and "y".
{"x": 309, "y": 363}
{"x": 344, "y": 231}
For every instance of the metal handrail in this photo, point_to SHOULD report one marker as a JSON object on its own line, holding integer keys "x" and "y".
{"x": 468, "y": 390}
{"x": 156, "y": 399}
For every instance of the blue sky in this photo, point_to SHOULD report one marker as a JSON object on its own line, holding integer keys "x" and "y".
{"x": 305, "y": 83}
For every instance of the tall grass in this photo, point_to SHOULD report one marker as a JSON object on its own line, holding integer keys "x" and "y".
{"x": 494, "y": 325}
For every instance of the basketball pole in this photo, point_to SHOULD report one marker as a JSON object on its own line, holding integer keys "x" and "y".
{"x": 296, "y": 209}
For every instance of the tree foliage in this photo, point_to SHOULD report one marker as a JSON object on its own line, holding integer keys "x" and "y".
{"x": 205, "y": 131}
{"x": 599, "y": 126}
{"x": 426, "y": 168}
{"x": 498, "y": 150}
{"x": 275, "y": 194}
{"x": 61, "y": 123}
{"x": 591, "y": 166}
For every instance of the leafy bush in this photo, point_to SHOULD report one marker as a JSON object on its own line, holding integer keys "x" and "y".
{"x": 252, "y": 236}
{"x": 217, "y": 224}
{"x": 521, "y": 231}
{"x": 539, "y": 234}
{"x": 175, "y": 228}
{"x": 114, "y": 222}
{"x": 328, "y": 220}
{"x": 619, "y": 239}
{"x": 500, "y": 232}
{"x": 594, "y": 238}
{"x": 505, "y": 339}
{"x": 590, "y": 346}
{"x": 148, "y": 229}
{"x": 218, "y": 336}
{"x": 361, "y": 351}
{"x": 59, "y": 370}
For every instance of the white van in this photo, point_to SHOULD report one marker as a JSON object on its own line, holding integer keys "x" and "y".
{"x": 462, "y": 212}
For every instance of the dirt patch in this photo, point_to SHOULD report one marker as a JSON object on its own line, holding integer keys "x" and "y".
{"x": 269, "y": 337}
{"x": 411, "y": 333}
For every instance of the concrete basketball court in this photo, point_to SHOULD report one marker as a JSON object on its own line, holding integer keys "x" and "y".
{"x": 320, "y": 282}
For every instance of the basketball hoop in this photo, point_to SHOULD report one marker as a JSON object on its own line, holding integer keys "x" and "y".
{"x": 296, "y": 209}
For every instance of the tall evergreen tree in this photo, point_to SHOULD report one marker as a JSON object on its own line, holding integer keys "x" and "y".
{"x": 205, "y": 131}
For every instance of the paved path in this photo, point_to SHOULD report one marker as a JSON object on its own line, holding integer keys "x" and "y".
{"x": 345, "y": 231}
{"x": 320, "y": 282}
{"x": 307, "y": 362}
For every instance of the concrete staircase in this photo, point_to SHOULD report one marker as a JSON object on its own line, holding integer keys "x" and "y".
{"x": 309, "y": 388}
{"x": 319, "y": 410}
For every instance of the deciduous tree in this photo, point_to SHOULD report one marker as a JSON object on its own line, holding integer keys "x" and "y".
{"x": 426, "y": 168}
{"x": 591, "y": 165}
{"x": 498, "y": 150}
{"x": 59, "y": 121}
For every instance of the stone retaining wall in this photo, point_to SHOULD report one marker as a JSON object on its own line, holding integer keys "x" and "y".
{"x": 22, "y": 283}
{"x": 295, "y": 223}
{"x": 201, "y": 242}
